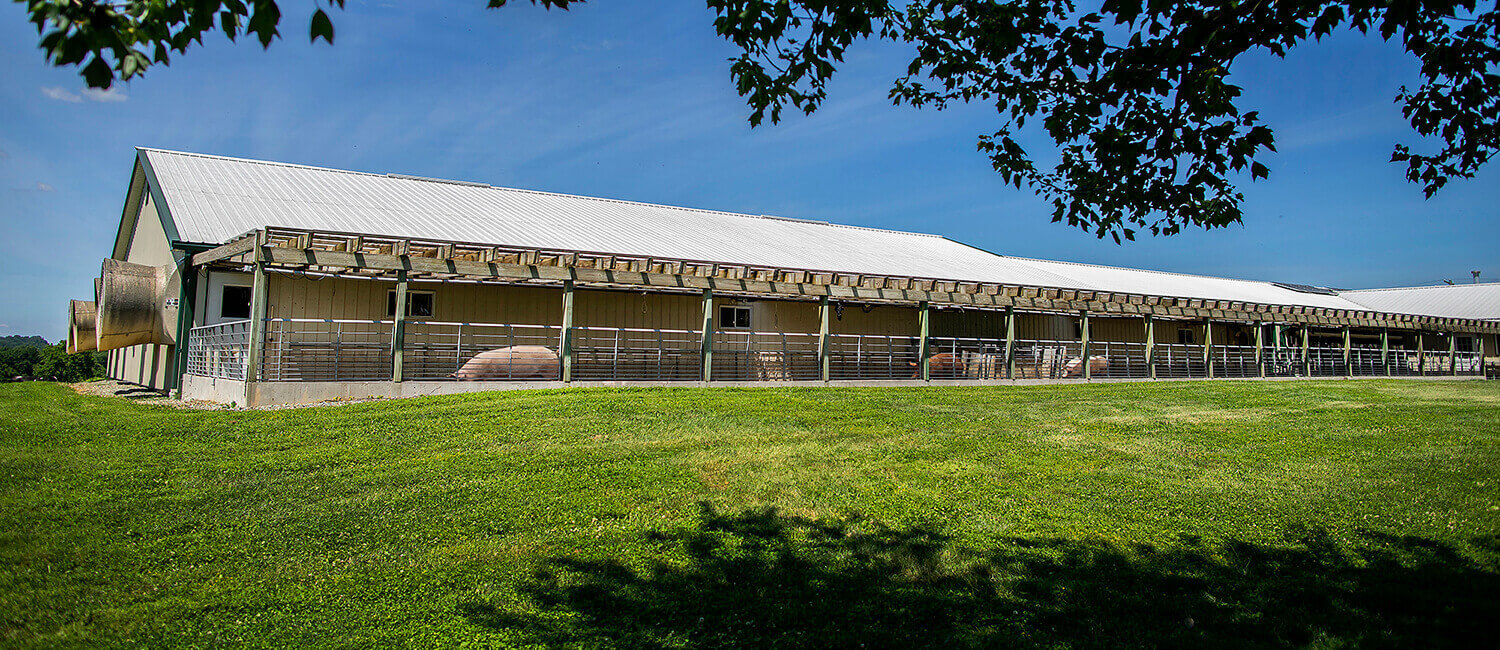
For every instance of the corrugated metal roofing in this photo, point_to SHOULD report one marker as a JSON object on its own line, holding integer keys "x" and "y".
{"x": 214, "y": 199}
{"x": 1476, "y": 301}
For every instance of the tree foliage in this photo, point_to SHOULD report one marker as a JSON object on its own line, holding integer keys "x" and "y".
{"x": 33, "y": 357}
{"x": 1136, "y": 94}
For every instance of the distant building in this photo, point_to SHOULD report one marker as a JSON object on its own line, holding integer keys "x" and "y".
{"x": 291, "y": 283}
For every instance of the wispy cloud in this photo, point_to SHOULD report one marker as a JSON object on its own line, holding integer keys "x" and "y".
{"x": 109, "y": 95}
{"x": 43, "y": 187}
{"x": 61, "y": 94}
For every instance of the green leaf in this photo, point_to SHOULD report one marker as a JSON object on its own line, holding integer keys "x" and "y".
{"x": 321, "y": 27}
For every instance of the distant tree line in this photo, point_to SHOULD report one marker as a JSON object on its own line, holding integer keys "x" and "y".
{"x": 32, "y": 357}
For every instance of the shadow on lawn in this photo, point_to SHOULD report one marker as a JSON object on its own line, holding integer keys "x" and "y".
{"x": 759, "y": 578}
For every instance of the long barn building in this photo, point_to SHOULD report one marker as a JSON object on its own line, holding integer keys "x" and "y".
{"x": 257, "y": 282}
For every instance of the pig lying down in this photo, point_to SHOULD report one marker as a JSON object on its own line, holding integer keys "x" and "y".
{"x": 535, "y": 362}
{"x": 1097, "y": 366}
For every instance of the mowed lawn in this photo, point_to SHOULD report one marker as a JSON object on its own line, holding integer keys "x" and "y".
{"x": 1207, "y": 514}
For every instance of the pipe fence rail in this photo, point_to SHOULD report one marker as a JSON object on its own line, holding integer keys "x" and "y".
{"x": 220, "y": 351}
{"x": 438, "y": 351}
{"x": 873, "y": 356}
{"x": 304, "y": 349}
{"x": 1179, "y": 361}
{"x": 310, "y": 349}
{"x": 631, "y": 354}
{"x": 965, "y": 358}
{"x": 765, "y": 356}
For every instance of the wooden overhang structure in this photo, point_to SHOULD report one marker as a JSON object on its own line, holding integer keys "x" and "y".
{"x": 383, "y": 258}
{"x": 402, "y": 260}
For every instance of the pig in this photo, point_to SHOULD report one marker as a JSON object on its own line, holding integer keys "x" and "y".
{"x": 518, "y": 362}
{"x": 1097, "y": 366}
{"x": 942, "y": 365}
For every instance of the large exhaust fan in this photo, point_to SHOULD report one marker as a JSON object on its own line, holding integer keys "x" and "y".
{"x": 136, "y": 305}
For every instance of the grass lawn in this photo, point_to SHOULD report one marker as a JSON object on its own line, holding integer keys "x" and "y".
{"x": 1206, "y": 514}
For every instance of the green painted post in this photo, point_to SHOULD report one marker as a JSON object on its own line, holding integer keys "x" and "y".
{"x": 825, "y": 354}
{"x": 398, "y": 330}
{"x": 186, "y": 296}
{"x": 1452, "y": 354}
{"x": 1385, "y": 350}
{"x": 706, "y": 355}
{"x": 1421, "y": 354}
{"x": 1208, "y": 347}
{"x": 1260, "y": 348}
{"x": 1150, "y": 346}
{"x": 1348, "y": 353}
{"x": 566, "y": 344}
{"x": 1084, "y": 346}
{"x": 1306, "y": 356}
{"x": 1010, "y": 342}
{"x": 924, "y": 318}
{"x": 259, "y": 295}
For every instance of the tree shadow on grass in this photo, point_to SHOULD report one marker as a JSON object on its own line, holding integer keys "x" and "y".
{"x": 759, "y": 578}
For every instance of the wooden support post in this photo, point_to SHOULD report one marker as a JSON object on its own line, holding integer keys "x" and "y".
{"x": 1208, "y": 347}
{"x": 924, "y": 319}
{"x": 1480, "y": 345}
{"x": 187, "y": 295}
{"x": 1150, "y": 346}
{"x": 259, "y": 291}
{"x": 706, "y": 356}
{"x": 1010, "y": 342}
{"x": 1260, "y": 350}
{"x": 1306, "y": 358}
{"x": 1348, "y": 353}
{"x": 1421, "y": 354}
{"x": 565, "y": 342}
{"x": 1385, "y": 350}
{"x": 398, "y": 330}
{"x": 259, "y": 295}
{"x": 1083, "y": 347}
{"x": 1452, "y": 354}
{"x": 825, "y": 354}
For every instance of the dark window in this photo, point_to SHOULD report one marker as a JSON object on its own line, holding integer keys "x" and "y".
{"x": 235, "y": 302}
{"x": 1465, "y": 344}
{"x": 1185, "y": 336}
{"x": 418, "y": 304}
{"x": 735, "y": 317}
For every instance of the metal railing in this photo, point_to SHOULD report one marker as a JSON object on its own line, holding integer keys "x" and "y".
{"x": 1122, "y": 360}
{"x": 1179, "y": 360}
{"x": 310, "y": 349}
{"x": 1283, "y": 362}
{"x": 1045, "y": 359}
{"x": 443, "y": 350}
{"x": 220, "y": 350}
{"x": 1468, "y": 363}
{"x": 765, "y": 356}
{"x": 1366, "y": 362}
{"x": 1325, "y": 361}
{"x": 630, "y": 354}
{"x": 873, "y": 356}
{"x": 302, "y": 349}
{"x": 965, "y": 358}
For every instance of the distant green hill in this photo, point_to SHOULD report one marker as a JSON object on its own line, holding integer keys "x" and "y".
{"x": 18, "y": 341}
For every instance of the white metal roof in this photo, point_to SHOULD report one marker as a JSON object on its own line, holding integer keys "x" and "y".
{"x": 1475, "y": 301}
{"x": 214, "y": 199}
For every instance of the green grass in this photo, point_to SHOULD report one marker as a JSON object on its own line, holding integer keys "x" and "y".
{"x": 1323, "y": 514}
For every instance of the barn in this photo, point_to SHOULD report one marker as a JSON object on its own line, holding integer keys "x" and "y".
{"x": 255, "y": 282}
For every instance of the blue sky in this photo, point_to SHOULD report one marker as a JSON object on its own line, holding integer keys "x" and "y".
{"x": 633, "y": 101}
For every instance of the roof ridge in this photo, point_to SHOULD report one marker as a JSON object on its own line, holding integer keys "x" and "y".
{"x": 1425, "y": 286}
{"x": 1156, "y": 271}
{"x": 482, "y": 185}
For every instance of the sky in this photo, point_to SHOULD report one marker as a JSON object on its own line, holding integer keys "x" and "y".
{"x": 634, "y": 101}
